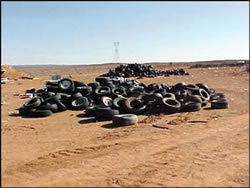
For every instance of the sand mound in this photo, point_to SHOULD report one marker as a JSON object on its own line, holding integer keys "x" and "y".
{"x": 12, "y": 73}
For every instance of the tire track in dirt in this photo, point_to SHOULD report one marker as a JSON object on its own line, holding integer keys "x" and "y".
{"x": 191, "y": 160}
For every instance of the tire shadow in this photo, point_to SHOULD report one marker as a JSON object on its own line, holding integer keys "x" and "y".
{"x": 111, "y": 126}
{"x": 83, "y": 115}
{"x": 208, "y": 108}
{"x": 14, "y": 115}
{"x": 84, "y": 121}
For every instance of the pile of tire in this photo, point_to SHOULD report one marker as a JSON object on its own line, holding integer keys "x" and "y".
{"x": 118, "y": 98}
{"x": 141, "y": 70}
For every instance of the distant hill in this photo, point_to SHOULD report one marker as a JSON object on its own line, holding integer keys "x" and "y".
{"x": 112, "y": 64}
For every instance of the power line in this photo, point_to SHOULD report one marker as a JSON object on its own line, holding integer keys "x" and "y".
{"x": 116, "y": 58}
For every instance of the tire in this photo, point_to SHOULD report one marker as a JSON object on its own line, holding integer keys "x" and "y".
{"x": 94, "y": 85}
{"x": 179, "y": 86}
{"x": 105, "y": 114}
{"x": 119, "y": 103}
{"x": 118, "y": 91}
{"x": 191, "y": 107}
{"x": 219, "y": 104}
{"x": 23, "y": 111}
{"x": 193, "y": 88}
{"x": 194, "y": 98}
{"x": 161, "y": 91}
{"x": 53, "y": 99}
{"x": 70, "y": 86}
{"x": 90, "y": 110}
{"x": 103, "y": 80}
{"x": 217, "y": 96}
{"x": 170, "y": 105}
{"x": 80, "y": 103}
{"x": 124, "y": 120}
{"x": 75, "y": 96}
{"x": 85, "y": 90}
{"x": 135, "y": 91}
{"x": 40, "y": 113}
{"x": 48, "y": 106}
{"x": 106, "y": 101}
{"x": 204, "y": 94}
{"x": 203, "y": 86}
{"x": 61, "y": 107}
{"x": 103, "y": 91}
{"x": 79, "y": 84}
{"x": 169, "y": 95}
{"x": 152, "y": 86}
{"x": 134, "y": 105}
{"x": 32, "y": 103}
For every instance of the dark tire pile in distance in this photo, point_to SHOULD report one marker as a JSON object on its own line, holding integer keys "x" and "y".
{"x": 120, "y": 99}
{"x": 140, "y": 70}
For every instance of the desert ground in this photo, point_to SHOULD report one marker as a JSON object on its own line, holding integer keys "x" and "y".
{"x": 205, "y": 148}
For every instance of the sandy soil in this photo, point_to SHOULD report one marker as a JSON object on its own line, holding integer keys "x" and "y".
{"x": 206, "y": 148}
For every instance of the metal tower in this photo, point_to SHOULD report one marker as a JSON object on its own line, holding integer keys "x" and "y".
{"x": 116, "y": 58}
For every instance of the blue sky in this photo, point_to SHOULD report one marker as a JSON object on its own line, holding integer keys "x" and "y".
{"x": 84, "y": 32}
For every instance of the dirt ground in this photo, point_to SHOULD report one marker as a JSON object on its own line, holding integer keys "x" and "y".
{"x": 206, "y": 148}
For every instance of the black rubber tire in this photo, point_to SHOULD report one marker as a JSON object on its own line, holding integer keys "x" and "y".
{"x": 94, "y": 85}
{"x": 191, "y": 106}
{"x": 103, "y": 91}
{"x": 194, "y": 98}
{"x": 135, "y": 91}
{"x": 75, "y": 96}
{"x": 118, "y": 91}
{"x": 23, "y": 111}
{"x": 70, "y": 88}
{"x": 170, "y": 106}
{"x": 161, "y": 91}
{"x": 216, "y": 96}
{"x": 84, "y": 90}
{"x": 105, "y": 114}
{"x": 90, "y": 110}
{"x": 203, "y": 86}
{"x": 40, "y": 113}
{"x": 53, "y": 98}
{"x": 32, "y": 103}
{"x": 219, "y": 104}
{"x": 134, "y": 105}
{"x": 80, "y": 103}
{"x": 124, "y": 120}
{"x": 49, "y": 106}
{"x": 107, "y": 101}
{"x": 169, "y": 95}
{"x": 79, "y": 84}
{"x": 204, "y": 94}
{"x": 119, "y": 103}
{"x": 61, "y": 107}
{"x": 193, "y": 88}
{"x": 103, "y": 80}
{"x": 178, "y": 86}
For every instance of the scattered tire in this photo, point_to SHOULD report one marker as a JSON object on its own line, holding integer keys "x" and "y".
{"x": 105, "y": 114}
{"x": 219, "y": 104}
{"x": 124, "y": 120}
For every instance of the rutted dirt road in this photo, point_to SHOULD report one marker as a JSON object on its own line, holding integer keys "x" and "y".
{"x": 205, "y": 148}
